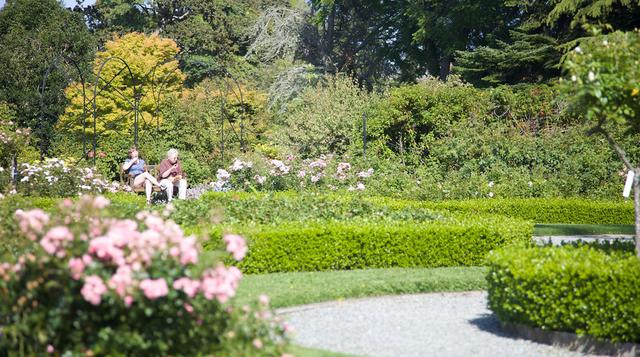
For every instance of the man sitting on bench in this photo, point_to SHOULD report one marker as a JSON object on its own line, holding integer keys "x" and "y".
{"x": 136, "y": 167}
{"x": 171, "y": 174}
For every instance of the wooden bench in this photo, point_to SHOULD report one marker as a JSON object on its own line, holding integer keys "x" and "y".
{"x": 126, "y": 179}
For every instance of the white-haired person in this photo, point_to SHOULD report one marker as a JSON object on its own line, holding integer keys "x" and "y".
{"x": 172, "y": 176}
{"x": 137, "y": 168}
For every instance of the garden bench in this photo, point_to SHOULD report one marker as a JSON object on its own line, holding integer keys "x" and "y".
{"x": 126, "y": 179}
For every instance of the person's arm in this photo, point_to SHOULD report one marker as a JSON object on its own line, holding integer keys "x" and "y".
{"x": 179, "y": 171}
{"x": 164, "y": 170}
{"x": 127, "y": 165}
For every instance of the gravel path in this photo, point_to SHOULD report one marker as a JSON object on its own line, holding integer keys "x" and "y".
{"x": 439, "y": 324}
{"x": 558, "y": 240}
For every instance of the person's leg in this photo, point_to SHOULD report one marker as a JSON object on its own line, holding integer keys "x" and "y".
{"x": 182, "y": 189}
{"x": 168, "y": 185}
{"x": 148, "y": 189}
{"x": 138, "y": 180}
{"x": 150, "y": 177}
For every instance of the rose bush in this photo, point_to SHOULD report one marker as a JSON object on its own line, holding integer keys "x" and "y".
{"x": 291, "y": 174}
{"x": 55, "y": 177}
{"x": 95, "y": 285}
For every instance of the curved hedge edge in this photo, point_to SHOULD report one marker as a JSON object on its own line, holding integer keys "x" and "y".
{"x": 571, "y": 341}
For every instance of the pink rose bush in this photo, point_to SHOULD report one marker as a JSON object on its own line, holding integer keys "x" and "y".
{"x": 134, "y": 286}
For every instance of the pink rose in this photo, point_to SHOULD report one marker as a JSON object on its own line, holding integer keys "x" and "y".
{"x": 236, "y": 245}
{"x": 76, "y": 265}
{"x": 154, "y": 289}
{"x": 93, "y": 289}
{"x": 188, "y": 286}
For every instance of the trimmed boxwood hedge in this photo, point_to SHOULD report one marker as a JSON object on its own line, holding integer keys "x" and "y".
{"x": 544, "y": 210}
{"x": 581, "y": 290}
{"x": 337, "y": 245}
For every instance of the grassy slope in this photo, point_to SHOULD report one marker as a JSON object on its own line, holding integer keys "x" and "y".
{"x": 290, "y": 289}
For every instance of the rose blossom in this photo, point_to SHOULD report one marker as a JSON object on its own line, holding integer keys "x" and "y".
{"x": 188, "y": 286}
{"x": 236, "y": 245}
{"x": 154, "y": 289}
{"x": 76, "y": 265}
{"x": 93, "y": 289}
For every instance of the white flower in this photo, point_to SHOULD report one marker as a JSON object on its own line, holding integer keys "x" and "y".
{"x": 490, "y": 194}
{"x": 238, "y": 165}
{"x": 222, "y": 175}
{"x": 605, "y": 42}
{"x": 574, "y": 78}
{"x": 490, "y": 183}
{"x": 591, "y": 76}
{"x": 25, "y": 179}
{"x": 360, "y": 186}
{"x": 1, "y": 169}
{"x": 259, "y": 179}
{"x": 365, "y": 174}
{"x": 530, "y": 184}
{"x": 578, "y": 49}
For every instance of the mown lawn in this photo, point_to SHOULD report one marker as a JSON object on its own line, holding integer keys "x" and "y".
{"x": 290, "y": 289}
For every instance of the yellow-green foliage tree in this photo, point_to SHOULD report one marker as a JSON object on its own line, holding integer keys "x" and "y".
{"x": 115, "y": 101}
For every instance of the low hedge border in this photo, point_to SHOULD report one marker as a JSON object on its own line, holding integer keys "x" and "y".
{"x": 337, "y": 245}
{"x": 574, "y": 289}
{"x": 539, "y": 210}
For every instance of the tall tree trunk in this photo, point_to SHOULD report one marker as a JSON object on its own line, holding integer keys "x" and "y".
{"x": 445, "y": 66}
{"x": 636, "y": 205}
{"x": 328, "y": 37}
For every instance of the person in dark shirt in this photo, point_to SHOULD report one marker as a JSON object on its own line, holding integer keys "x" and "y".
{"x": 136, "y": 167}
{"x": 171, "y": 175}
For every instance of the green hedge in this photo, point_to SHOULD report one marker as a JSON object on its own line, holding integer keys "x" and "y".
{"x": 538, "y": 210}
{"x": 336, "y": 245}
{"x": 582, "y": 290}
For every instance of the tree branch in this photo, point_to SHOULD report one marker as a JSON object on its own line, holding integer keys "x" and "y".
{"x": 621, "y": 154}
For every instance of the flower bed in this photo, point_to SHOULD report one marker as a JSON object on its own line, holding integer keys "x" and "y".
{"x": 101, "y": 286}
{"x": 580, "y": 290}
{"x": 289, "y": 174}
{"x": 56, "y": 178}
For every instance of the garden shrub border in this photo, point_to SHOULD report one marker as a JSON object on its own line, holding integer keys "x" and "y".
{"x": 581, "y": 290}
{"x": 545, "y": 210}
{"x": 336, "y": 245}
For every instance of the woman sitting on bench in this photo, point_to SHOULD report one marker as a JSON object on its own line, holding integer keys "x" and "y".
{"x": 136, "y": 167}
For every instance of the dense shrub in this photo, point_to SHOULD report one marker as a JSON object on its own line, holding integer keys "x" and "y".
{"x": 449, "y": 141}
{"x": 568, "y": 289}
{"x": 124, "y": 287}
{"x": 324, "y": 119}
{"x": 334, "y": 245}
{"x": 560, "y": 210}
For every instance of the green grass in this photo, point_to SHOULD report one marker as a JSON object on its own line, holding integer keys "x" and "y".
{"x": 581, "y": 229}
{"x": 290, "y": 289}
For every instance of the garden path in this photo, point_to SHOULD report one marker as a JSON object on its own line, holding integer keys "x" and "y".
{"x": 558, "y": 240}
{"x": 437, "y": 324}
